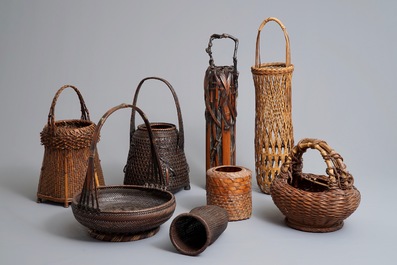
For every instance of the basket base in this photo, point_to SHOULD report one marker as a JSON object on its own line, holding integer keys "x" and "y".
{"x": 305, "y": 228}
{"x": 123, "y": 237}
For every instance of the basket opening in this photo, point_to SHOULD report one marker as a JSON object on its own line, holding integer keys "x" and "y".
{"x": 229, "y": 169}
{"x": 301, "y": 183}
{"x": 158, "y": 126}
{"x": 73, "y": 124}
{"x": 189, "y": 234}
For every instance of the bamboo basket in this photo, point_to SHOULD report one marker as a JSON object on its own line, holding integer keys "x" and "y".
{"x": 310, "y": 202}
{"x": 220, "y": 94}
{"x": 66, "y": 150}
{"x": 122, "y": 213}
{"x": 230, "y": 188}
{"x": 191, "y": 233}
{"x": 273, "y": 120}
{"x": 170, "y": 142}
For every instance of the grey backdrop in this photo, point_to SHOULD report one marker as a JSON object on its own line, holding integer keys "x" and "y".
{"x": 343, "y": 92}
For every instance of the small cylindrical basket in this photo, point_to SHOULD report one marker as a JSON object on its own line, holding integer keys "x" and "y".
{"x": 170, "y": 142}
{"x": 273, "y": 118}
{"x": 191, "y": 233}
{"x": 230, "y": 188}
{"x": 66, "y": 151}
{"x": 220, "y": 95}
{"x": 315, "y": 203}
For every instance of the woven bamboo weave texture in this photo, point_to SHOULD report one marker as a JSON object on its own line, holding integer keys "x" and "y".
{"x": 230, "y": 188}
{"x": 170, "y": 142}
{"x": 310, "y": 202}
{"x": 273, "y": 112}
{"x": 66, "y": 150}
{"x": 122, "y": 212}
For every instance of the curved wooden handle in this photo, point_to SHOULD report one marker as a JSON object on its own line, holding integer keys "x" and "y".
{"x": 338, "y": 176}
{"x": 181, "y": 136}
{"x": 85, "y": 115}
{"x": 223, "y": 36}
{"x": 89, "y": 196}
{"x": 287, "y": 48}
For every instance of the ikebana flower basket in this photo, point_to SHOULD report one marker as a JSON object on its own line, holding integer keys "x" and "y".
{"x": 66, "y": 151}
{"x": 123, "y": 212}
{"x": 170, "y": 142}
{"x": 273, "y": 116}
{"x": 230, "y": 188}
{"x": 310, "y": 202}
{"x": 220, "y": 95}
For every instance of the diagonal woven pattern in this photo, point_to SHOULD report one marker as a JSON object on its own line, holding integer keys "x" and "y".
{"x": 273, "y": 123}
{"x": 273, "y": 120}
{"x": 315, "y": 203}
{"x": 230, "y": 188}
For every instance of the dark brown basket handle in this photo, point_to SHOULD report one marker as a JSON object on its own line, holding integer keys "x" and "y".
{"x": 287, "y": 48}
{"x": 85, "y": 115}
{"x": 181, "y": 137}
{"x": 89, "y": 196}
{"x": 222, "y": 36}
{"x": 338, "y": 176}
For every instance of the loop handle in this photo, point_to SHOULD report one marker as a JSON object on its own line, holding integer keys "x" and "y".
{"x": 338, "y": 176}
{"x": 287, "y": 48}
{"x": 89, "y": 195}
{"x": 181, "y": 137}
{"x": 85, "y": 115}
{"x": 222, "y": 36}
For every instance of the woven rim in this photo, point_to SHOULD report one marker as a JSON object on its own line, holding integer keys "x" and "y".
{"x": 68, "y": 134}
{"x": 274, "y": 68}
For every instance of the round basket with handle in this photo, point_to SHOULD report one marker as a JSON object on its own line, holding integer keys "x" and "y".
{"x": 170, "y": 147}
{"x": 124, "y": 212}
{"x": 66, "y": 150}
{"x": 310, "y": 202}
{"x": 273, "y": 112}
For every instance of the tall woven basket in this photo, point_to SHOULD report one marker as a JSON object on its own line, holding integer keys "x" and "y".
{"x": 273, "y": 121}
{"x": 66, "y": 151}
{"x": 310, "y": 202}
{"x": 170, "y": 141}
{"x": 220, "y": 94}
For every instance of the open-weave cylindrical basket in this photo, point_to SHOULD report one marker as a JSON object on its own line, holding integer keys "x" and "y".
{"x": 315, "y": 203}
{"x": 66, "y": 150}
{"x": 230, "y": 188}
{"x": 170, "y": 142}
{"x": 220, "y": 95}
{"x": 273, "y": 120}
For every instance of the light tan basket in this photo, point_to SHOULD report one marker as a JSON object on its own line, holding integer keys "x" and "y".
{"x": 230, "y": 188}
{"x": 273, "y": 122}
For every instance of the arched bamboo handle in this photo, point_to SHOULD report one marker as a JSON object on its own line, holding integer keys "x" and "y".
{"x": 89, "y": 196}
{"x": 223, "y": 36}
{"x": 85, "y": 115}
{"x": 181, "y": 136}
{"x": 287, "y": 46}
{"x": 338, "y": 176}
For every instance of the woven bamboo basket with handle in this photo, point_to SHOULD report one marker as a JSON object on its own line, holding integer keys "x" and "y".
{"x": 220, "y": 95}
{"x": 170, "y": 143}
{"x": 310, "y": 202}
{"x": 273, "y": 117}
{"x": 66, "y": 150}
{"x": 123, "y": 212}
